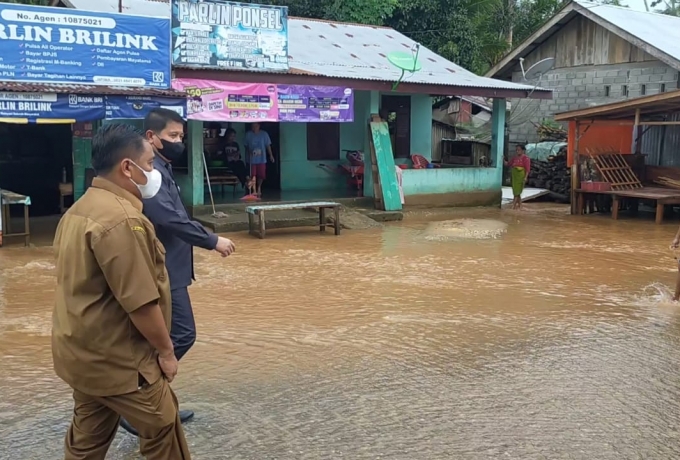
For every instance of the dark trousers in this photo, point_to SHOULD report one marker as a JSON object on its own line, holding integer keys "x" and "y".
{"x": 183, "y": 329}
{"x": 239, "y": 169}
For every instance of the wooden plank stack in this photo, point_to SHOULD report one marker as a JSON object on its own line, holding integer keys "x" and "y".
{"x": 668, "y": 182}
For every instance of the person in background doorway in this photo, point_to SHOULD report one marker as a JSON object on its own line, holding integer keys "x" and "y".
{"x": 234, "y": 161}
{"x": 258, "y": 147}
{"x": 520, "y": 166}
{"x": 111, "y": 320}
{"x": 176, "y": 231}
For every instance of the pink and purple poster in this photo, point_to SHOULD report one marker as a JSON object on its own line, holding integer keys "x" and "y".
{"x": 224, "y": 101}
{"x": 315, "y": 104}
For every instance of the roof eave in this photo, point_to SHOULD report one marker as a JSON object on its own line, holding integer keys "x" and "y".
{"x": 310, "y": 79}
{"x": 604, "y": 110}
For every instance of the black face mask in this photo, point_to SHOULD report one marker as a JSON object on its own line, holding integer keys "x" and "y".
{"x": 173, "y": 151}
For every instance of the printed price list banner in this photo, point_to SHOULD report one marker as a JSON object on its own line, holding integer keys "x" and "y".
{"x": 249, "y": 102}
{"x": 220, "y": 34}
{"x": 61, "y": 45}
{"x": 224, "y": 101}
{"x": 315, "y": 103}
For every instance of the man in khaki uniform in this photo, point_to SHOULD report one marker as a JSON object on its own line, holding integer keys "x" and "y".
{"x": 110, "y": 339}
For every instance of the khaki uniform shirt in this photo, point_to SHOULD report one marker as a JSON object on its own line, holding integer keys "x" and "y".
{"x": 109, "y": 263}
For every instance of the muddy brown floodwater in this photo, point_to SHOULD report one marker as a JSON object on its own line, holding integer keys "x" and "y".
{"x": 555, "y": 340}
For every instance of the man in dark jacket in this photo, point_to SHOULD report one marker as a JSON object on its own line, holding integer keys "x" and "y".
{"x": 175, "y": 230}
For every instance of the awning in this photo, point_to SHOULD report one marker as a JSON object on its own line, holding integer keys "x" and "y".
{"x": 36, "y": 103}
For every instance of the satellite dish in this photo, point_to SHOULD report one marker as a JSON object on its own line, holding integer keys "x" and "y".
{"x": 406, "y": 62}
{"x": 537, "y": 70}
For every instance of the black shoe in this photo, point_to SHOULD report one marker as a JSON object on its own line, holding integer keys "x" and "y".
{"x": 127, "y": 427}
{"x": 186, "y": 416}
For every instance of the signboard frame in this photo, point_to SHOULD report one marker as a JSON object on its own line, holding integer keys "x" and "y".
{"x": 221, "y": 34}
{"x": 63, "y": 45}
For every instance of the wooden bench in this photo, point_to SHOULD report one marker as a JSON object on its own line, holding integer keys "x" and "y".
{"x": 224, "y": 179}
{"x": 321, "y": 206}
{"x": 12, "y": 199}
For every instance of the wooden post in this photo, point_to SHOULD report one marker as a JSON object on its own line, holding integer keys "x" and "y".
{"x": 27, "y": 227}
{"x": 615, "y": 207}
{"x": 637, "y": 132}
{"x": 262, "y": 230}
{"x": 575, "y": 171}
{"x": 322, "y": 219}
{"x": 337, "y": 220}
{"x": 659, "y": 212}
{"x": 251, "y": 223}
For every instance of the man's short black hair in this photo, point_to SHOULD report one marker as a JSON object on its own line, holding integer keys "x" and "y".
{"x": 157, "y": 119}
{"x": 522, "y": 147}
{"x": 114, "y": 142}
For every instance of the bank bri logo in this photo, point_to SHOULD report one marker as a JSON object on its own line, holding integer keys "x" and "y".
{"x": 59, "y": 45}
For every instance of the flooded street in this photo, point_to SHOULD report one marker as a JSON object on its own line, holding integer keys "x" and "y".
{"x": 554, "y": 341}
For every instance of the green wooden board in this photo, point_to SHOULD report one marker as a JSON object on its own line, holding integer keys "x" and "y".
{"x": 386, "y": 167}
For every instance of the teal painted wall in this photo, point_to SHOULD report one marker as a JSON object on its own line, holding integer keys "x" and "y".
{"x": 297, "y": 173}
{"x": 462, "y": 180}
{"x": 450, "y": 180}
{"x": 421, "y": 125}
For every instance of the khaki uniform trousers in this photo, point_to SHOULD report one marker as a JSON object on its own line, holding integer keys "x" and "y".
{"x": 152, "y": 410}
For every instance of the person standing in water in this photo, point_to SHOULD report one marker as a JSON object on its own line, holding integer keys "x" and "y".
{"x": 258, "y": 146}
{"x": 178, "y": 234}
{"x": 519, "y": 165}
{"x": 111, "y": 322}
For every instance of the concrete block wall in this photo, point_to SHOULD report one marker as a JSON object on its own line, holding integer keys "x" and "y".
{"x": 582, "y": 87}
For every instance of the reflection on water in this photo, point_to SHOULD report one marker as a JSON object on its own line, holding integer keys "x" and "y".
{"x": 557, "y": 340}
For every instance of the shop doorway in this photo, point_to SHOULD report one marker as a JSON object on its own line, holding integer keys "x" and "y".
{"x": 273, "y": 170}
{"x": 215, "y": 143}
{"x": 396, "y": 110}
{"x": 33, "y": 160}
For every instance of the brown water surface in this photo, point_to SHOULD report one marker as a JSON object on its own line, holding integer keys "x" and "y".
{"x": 554, "y": 341}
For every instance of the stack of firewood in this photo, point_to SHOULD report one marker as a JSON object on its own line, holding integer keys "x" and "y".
{"x": 550, "y": 131}
{"x": 553, "y": 175}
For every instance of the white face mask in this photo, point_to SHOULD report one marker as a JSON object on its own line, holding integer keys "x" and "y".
{"x": 154, "y": 180}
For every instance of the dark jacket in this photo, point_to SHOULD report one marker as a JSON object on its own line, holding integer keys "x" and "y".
{"x": 175, "y": 229}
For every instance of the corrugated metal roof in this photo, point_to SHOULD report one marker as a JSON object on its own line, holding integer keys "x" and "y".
{"x": 661, "y": 31}
{"x": 86, "y": 89}
{"x": 360, "y": 52}
{"x": 341, "y": 50}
